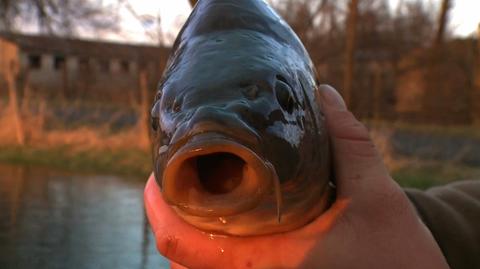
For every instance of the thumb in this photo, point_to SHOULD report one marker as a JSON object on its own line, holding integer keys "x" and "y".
{"x": 358, "y": 165}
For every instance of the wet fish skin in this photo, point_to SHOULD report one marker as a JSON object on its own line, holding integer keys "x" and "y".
{"x": 239, "y": 81}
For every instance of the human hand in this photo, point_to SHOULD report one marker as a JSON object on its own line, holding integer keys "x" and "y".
{"x": 370, "y": 225}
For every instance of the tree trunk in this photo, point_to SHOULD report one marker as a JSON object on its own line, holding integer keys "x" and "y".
{"x": 350, "y": 51}
{"x": 442, "y": 22}
{"x": 478, "y": 57}
{"x": 193, "y": 2}
{"x": 377, "y": 92}
{"x": 14, "y": 108}
{"x": 65, "y": 79}
{"x": 476, "y": 87}
{"x": 144, "y": 109}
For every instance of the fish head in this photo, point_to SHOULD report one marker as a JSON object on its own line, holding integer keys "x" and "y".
{"x": 240, "y": 145}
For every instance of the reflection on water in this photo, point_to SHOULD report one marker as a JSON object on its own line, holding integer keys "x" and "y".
{"x": 54, "y": 220}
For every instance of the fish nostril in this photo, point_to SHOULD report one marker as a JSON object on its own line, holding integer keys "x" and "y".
{"x": 222, "y": 112}
{"x": 176, "y": 105}
{"x": 251, "y": 92}
{"x": 281, "y": 78}
{"x": 241, "y": 109}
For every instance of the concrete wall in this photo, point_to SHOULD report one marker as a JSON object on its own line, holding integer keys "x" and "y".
{"x": 91, "y": 78}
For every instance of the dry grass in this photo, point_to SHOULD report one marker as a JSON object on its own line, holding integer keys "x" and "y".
{"x": 101, "y": 138}
{"x": 35, "y": 116}
{"x": 83, "y": 147}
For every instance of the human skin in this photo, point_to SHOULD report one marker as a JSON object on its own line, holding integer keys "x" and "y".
{"x": 371, "y": 224}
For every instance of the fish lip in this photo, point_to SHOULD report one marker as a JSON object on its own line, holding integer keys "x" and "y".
{"x": 188, "y": 198}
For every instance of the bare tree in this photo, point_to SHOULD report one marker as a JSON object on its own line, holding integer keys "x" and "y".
{"x": 152, "y": 25}
{"x": 478, "y": 55}
{"x": 193, "y": 2}
{"x": 350, "y": 50}
{"x": 476, "y": 110}
{"x": 60, "y": 17}
{"x": 144, "y": 108}
{"x": 307, "y": 17}
{"x": 318, "y": 23}
{"x": 413, "y": 26}
{"x": 442, "y": 22}
{"x": 9, "y": 70}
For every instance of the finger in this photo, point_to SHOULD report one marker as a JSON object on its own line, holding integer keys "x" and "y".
{"x": 181, "y": 242}
{"x": 358, "y": 165}
{"x": 174, "y": 265}
{"x": 171, "y": 233}
{"x": 187, "y": 246}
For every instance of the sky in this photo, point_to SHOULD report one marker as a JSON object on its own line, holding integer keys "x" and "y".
{"x": 464, "y": 18}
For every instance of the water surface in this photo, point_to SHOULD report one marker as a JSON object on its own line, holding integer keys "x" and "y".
{"x": 51, "y": 219}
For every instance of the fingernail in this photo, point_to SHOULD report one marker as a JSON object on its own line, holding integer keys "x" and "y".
{"x": 332, "y": 98}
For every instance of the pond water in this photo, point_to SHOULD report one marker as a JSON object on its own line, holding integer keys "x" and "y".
{"x": 51, "y": 219}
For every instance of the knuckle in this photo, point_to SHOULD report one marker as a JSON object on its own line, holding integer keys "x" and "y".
{"x": 343, "y": 124}
{"x": 365, "y": 148}
{"x": 167, "y": 246}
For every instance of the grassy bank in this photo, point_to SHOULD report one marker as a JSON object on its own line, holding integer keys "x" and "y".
{"x": 134, "y": 163}
{"x": 81, "y": 137}
{"x": 467, "y": 131}
{"x": 106, "y": 139}
{"x": 426, "y": 175}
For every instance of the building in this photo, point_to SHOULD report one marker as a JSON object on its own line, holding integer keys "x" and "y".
{"x": 71, "y": 68}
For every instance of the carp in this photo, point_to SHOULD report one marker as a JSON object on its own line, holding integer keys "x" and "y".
{"x": 240, "y": 145}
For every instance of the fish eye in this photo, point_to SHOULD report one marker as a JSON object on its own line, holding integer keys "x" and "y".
{"x": 284, "y": 96}
{"x": 155, "y": 116}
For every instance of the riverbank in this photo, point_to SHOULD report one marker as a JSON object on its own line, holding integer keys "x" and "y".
{"x": 424, "y": 175}
{"x": 422, "y": 156}
{"x": 130, "y": 162}
{"x": 107, "y": 139}
{"x": 80, "y": 137}
{"x": 137, "y": 164}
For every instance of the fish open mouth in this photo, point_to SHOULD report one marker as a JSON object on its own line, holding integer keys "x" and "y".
{"x": 214, "y": 176}
{"x": 219, "y": 173}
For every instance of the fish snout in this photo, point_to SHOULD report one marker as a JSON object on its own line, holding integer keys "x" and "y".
{"x": 225, "y": 119}
{"x": 215, "y": 176}
{"x": 229, "y": 113}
